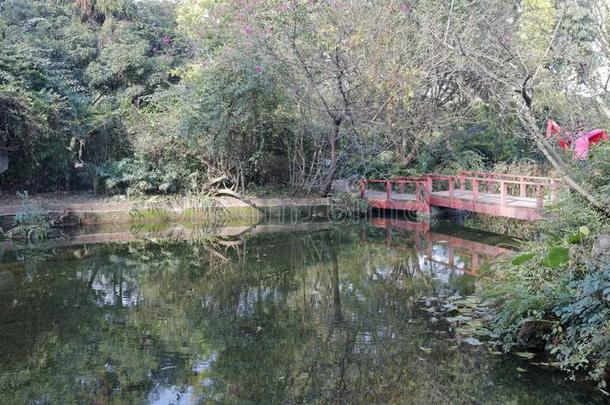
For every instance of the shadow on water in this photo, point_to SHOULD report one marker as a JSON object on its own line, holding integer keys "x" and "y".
{"x": 319, "y": 313}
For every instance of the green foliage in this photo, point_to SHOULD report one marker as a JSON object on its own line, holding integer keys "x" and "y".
{"x": 552, "y": 297}
{"x": 540, "y": 304}
{"x": 556, "y": 257}
{"x": 597, "y": 170}
{"x": 584, "y": 309}
{"x": 134, "y": 178}
{"x": 478, "y": 146}
{"x": 28, "y": 224}
{"x": 525, "y": 257}
{"x": 68, "y": 88}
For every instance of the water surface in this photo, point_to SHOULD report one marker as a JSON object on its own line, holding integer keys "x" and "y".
{"x": 318, "y": 314}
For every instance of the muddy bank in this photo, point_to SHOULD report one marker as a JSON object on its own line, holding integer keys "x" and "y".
{"x": 89, "y": 210}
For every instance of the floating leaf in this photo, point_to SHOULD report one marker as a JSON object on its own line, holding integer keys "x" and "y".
{"x": 521, "y": 370}
{"x": 473, "y": 341}
{"x": 584, "y": 231}
{"x": 459, "y": 318}
{"x": 475, "y": 323}
{"x": 526, "y": 355}
{"x": 481, "y": 332}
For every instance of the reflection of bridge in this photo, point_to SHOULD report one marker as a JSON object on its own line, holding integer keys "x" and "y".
{"x": 503, "y": 195}
{"x": 470, "y": 253}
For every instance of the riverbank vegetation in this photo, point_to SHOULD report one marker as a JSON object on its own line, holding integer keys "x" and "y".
{"x": 176, "y": 97}
{"x": 555, "y": 295}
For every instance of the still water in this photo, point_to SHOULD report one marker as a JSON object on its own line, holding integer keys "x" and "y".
{"x": 277, "y": 314}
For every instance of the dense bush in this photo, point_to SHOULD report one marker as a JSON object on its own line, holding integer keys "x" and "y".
{"x": 553, "y": 296}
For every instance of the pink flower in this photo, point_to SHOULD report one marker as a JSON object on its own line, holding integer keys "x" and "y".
{"x": 404, "y": 8}
{"x": 259, "y": 69}
{"x": 166, "y": 40}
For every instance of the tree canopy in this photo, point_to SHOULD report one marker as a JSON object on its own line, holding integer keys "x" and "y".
{"x": 160, "y": 97}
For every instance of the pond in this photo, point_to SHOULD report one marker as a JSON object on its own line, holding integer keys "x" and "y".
{"x": 318, "y": 313}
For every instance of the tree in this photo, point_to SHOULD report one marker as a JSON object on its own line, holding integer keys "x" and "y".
{"x": 527, "y": 62}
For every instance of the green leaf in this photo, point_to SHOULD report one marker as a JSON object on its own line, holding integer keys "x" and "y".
{"x": 473, "y": 341}
{"x": 557, "y": 256}
{"x": 574, "y": 239}
{"x": 519, "y": 260}
{"x": 526, "y": 355}
{"x": 584, "y": 231}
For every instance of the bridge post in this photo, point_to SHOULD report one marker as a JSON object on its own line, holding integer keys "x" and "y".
{"x": 388, "y": 190}
{"x": 474, "y": 261}
{"x": 462, "y": 182}
{"x": 502, "y": 192}
{"x": 362, "y": 188}
{"x": 475, "y": 190}
{"x": 553, "y": 190}
{"x": 423, "y": 213}
{"x": 539, "y": 196}
{"x": 490, "y": 183}
{"x": 451, "y": 186}
{"x": 522, "y": 187}
{"x": 401, "y": 187}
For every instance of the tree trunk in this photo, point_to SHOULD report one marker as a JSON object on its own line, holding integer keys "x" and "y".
{"x": 334, "y": 139}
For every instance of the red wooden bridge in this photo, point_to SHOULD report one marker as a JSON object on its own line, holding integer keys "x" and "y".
{"x": 503, "y": 195}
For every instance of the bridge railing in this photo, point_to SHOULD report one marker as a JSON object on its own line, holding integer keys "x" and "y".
{"x": 473, "y": 184}
{"x": 505, "y": 186}
{"x": 507, "y": 176}
{"x": 524, "y": 187}
{"x": 399, "y": 185}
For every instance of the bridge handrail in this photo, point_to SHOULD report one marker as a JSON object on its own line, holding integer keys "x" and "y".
{"x": 419, "y": 182}
{"x": 424, "y": 185}
{"x": 445, "y": 177}
{"x": 507, "y": 175}
{"x": 487, "y": 179}
{"x": 396, "y": 181}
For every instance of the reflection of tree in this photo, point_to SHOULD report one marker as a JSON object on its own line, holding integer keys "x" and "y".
{"x": 287, "y": 318}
